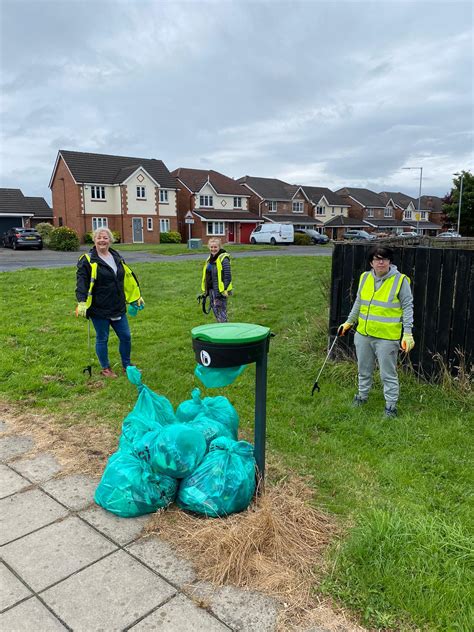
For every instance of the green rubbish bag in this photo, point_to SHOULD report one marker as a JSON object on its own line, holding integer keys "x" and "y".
{"x": 215, "y": 378}
{"x": 129, "y": 487}
{"x": 210, "y": 428}
{"x": 174, "y": 450}
{"x": 217, "y": 408}
{"x": 190, "y": 408}
{"x": 224, "y": 483}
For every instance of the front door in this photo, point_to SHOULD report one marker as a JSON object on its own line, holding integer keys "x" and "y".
{"x": 137, "y": 225}
{"x": 231, "y": 235}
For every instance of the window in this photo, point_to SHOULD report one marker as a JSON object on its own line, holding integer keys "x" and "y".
{"x": 149, "y": 223}
{"x": 370, "y": 212}
{"x": 97, "y": 193}
{"x": 320, "y": 210}
{"x": 237, "y": 202}
{"x": 272, "y": 207}
{"x": 407, "y": 214}
{"x": 387, "y": 212}
{"x": 164, "y": 225}
{"x": 99, "y": 222}
{"x": 215, "y": 228}
{"x": 163, "y": 196}
{"x": 423, "y": 214}
{"x": 141, "y": 193}
{"x": 206, "y": 200}
{"x": 297, "y": 207}
{"x": 60, "y": 221}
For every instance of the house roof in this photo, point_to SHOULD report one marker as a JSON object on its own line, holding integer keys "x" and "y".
{"x": 195, "y": 179}
{"x": 39, "y": 207}
{"x": 316, "y": 193}
{"x": 106, "y": 169}
{"x": 365, "y": 197}
{"x": 226, "y": 216}
{"x": 341, "y": 221}
{"x": 430, "y": 203}
{"x": 387, "y": 222}
{"x": 13, "y": 201}
{"x": 422, "y": 224}
{"x": 400, "y": 199}
{"x": 292, "y": 219}
{"x": 269, "y": 188}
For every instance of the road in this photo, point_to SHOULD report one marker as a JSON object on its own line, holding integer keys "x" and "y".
{"x": 11, "y": 260}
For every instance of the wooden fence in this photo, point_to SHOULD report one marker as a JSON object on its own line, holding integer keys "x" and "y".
{"x": 443, "y": 293}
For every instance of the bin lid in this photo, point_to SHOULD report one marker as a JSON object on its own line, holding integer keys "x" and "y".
{"x": 230, "y": 333}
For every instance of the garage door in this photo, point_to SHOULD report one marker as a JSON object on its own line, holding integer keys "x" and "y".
{"x": 245, "y": 230}
{"x": 8, "y": 222}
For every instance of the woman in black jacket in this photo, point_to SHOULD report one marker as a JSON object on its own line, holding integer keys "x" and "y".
{"x": 103, "y": 279}
{"x": 217, "y": 279}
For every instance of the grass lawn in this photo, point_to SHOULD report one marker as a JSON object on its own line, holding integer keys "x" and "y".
{"x": 182, "y": 249}
{"x": 401, "y": 488}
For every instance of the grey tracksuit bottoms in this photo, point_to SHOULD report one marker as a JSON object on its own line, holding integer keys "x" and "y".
{"x": 368, "y": 350}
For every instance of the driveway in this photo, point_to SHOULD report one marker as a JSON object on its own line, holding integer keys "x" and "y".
{"x": 19, "y": 259}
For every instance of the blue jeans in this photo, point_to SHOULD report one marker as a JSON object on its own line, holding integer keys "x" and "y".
{"x": 121, "y": 328}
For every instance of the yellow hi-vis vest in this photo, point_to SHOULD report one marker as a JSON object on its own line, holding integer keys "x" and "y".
{"x": 130, "y": 284}
{"x": 220, "y": 282}
{"x": 380, "y": 313}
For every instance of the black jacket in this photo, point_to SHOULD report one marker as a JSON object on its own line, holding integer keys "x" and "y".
{"x": 108, "y": 296}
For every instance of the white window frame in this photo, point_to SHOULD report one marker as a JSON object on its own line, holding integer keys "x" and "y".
{"x": 163, "y": 196}
{"x": 272, "y": 206}
{"x": 99, "y": 222}
{"x": 215, "y": 229}
{"x": 320, "y": 210}
{"x": 297, "y": 206}
{"x": 423, "y": 215}
{"x": 164, "y": 225}
{"x": 141, "y": 193}
{"x": 206, "y": 201}
{"x": 237, "y": 202}
{"x": 370, "y": 212}
{"x": 149, "y": 223}
{"x": 97, "y": 192}
{"x": 388, "y": 212}
{"x": 407, "y": 214}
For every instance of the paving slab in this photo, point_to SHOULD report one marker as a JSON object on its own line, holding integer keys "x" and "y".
{"x": 14, "y": 446}
{"x": 180, "y": 615}
{"x": 75, "y": 491}
{"x": 110, "y": 595}
{"x": 120, "y": 530}
{"x": 12, "y": 590}
{"x": 28, "y": 616}
{"x": 10, "y": 481}
{"x": 38, "y": 469}
{"x": 159, "y": 555}
{"x": 242, "y": 610}
{"x": 51, "y": 554}
{"x": 25, "y": 512}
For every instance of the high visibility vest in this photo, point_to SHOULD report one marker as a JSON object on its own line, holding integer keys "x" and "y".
{"x": 130, "y": 283}
{"x": 220, "y": 281}
{"x": 380, "y": 311}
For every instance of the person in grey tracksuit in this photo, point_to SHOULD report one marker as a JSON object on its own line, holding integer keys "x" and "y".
{"x": 383, "y": 309}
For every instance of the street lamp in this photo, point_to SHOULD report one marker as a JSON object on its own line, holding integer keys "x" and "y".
{"x": 419, "y": 193}
{"x": 460, "y": 198}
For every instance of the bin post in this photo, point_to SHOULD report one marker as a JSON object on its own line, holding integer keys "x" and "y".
{"x": 260, "y": 412}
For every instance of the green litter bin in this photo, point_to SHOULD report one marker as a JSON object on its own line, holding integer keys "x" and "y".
{"x": 222, "y": 345}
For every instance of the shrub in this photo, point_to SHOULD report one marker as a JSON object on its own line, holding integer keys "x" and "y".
{"x": 117, "y": 236}
{"x": 64, "y": 238}
{"x": 45, "y": 229}
{"x": 302, "y": 239}
{"x": 170, "y": 238}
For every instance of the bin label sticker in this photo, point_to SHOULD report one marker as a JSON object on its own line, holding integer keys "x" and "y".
{"x": 205, "y": 358}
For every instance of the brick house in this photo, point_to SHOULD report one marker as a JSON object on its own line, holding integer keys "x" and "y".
{"x": 427, "y": 219}
{"x": 370, "y": 208}
{"x": 329, "y": 209}
{"x": 137, "y": 197}
{"x": 18, "y": 210}
{"x": 217, "y": 203}
{"x": 276, "y": 201}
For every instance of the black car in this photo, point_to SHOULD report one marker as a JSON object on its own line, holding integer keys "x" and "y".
{"x": 316, "y": 238}
{"x": 22, "y": 238}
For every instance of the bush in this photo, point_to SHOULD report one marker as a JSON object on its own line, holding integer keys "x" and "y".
{"x": 88, "y": 238}
{"x": 170, "y": 238}
{"x": 45, "y": 229}
{"x": 302, "y": 239}
{"x": 117, "y": 236}
{"x": 64, "y": 238}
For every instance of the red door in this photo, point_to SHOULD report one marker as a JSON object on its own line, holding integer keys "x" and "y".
{"x": 231, "y": 234}
{"x": 245, "y": 230}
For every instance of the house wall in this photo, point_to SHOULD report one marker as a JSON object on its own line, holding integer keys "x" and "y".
{"x": 67, "y": 200}
{"x": 221, "y": 202}
{"x": 329, "y": 210}
{"x": 138, "y": 206}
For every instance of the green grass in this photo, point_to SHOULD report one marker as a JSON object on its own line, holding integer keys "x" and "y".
{"x": 182, "y": 249}
{"x": 401, "y": 487}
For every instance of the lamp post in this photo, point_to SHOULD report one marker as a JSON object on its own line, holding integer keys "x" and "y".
{"x": 460, "y": 198}
{"x": 419, "y": 193}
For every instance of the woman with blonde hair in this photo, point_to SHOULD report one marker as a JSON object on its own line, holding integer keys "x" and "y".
{"x": 217, "y": 279}
{"x": 104, "y": 286}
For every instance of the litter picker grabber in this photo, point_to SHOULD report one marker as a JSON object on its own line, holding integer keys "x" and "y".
{"x": 202, "y": 300}
{"x": 339, "y": 334}
{"x": 88, "y": 368}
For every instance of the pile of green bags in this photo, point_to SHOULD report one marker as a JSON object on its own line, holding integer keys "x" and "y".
{"x": 191, "y": 456}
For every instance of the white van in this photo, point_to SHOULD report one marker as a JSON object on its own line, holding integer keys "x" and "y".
{"x": 271, "y": 233}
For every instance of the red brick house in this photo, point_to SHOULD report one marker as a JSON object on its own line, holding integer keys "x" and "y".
{"x": 218, "y": 205}
{"x": 136, "y": 197}
{"x": 426, "y": 217}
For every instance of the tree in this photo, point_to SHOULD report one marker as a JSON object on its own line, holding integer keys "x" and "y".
{"x": 451, "y": 203}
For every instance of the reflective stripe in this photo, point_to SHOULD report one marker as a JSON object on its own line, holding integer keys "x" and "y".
{"x": 363, "y": 279}
{"x": 380, "y": 303}
{"x": 395, "y": 287}
{"x": 380, "y": 319}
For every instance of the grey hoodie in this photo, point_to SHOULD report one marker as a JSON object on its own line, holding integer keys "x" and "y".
{"x": 405, "y": 296}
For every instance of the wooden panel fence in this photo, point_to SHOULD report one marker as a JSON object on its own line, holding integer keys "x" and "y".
{"x": 443, "y": 293}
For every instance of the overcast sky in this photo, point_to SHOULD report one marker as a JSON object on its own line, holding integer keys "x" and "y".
{"x": 320, "y": 93}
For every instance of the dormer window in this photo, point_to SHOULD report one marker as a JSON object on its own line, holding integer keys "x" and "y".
{"x": 141, "y": 193}
{"x": 320, "y": 210}
{"x": 97, "y": 193}
{"x": 206, "y": 201}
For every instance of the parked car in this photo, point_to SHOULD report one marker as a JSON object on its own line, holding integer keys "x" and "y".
{"x": 450, "y": 234}
{"x": 408, "y": 233}
{"x": 22, "y": 238}
{"x": 272, "y": 233}
{"x": 316, "y": 238}
{"x": 358, "y": 234}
